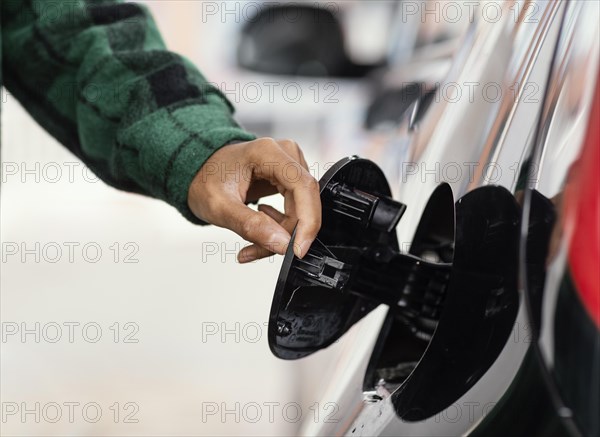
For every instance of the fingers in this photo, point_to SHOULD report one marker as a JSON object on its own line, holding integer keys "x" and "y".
{"x": 294, "y": 179}
{"x": 303, "y": 206}
{"x": 252, "y": 253}
{"x": 256, "y": 227}
{"x": 255, "y": 252}
{"x": 288, "y": 222}
{"x": 263, "y": 188}
{"x": 278, "y": 216}
{"x": 259, "y": 189}
{"x": 218, "y": 197}
{"x": 293, "y": 149}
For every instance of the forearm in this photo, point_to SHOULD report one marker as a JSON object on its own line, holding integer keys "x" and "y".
{"x": 98, "y": 77}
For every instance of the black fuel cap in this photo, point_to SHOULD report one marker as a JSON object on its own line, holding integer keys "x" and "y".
{"x": 317, "y": 299}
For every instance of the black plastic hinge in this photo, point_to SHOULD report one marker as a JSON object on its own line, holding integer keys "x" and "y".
{"x": 372, "y": 211}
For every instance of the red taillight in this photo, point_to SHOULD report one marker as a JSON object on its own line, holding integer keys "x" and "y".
{"x": 583, "y": 213}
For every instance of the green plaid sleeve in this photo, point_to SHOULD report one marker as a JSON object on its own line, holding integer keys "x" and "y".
{"x": 97, "y": 76}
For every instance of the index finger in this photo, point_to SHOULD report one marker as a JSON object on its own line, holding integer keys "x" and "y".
{"x": 303, "y": 188}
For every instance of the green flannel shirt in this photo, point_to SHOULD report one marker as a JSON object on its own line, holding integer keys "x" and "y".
{"x": 97, "y": 76}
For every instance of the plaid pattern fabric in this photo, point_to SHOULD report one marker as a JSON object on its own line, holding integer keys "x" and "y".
{"x": 97, "y": 76}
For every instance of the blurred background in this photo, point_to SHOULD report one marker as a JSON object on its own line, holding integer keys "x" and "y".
{"x": 121, "y": 318}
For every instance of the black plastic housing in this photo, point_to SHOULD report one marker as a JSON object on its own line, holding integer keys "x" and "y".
{"x": 453, "y": 298}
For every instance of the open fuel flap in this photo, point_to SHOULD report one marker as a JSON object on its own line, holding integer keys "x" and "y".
{"x": 452, "y": 297}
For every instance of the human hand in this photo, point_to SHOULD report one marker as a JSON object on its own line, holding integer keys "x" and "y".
{"x": 245, "y": 172}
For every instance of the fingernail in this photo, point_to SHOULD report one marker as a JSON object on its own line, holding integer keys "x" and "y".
{"x": 244, "y": 257}
{"x": 300, "y": 249}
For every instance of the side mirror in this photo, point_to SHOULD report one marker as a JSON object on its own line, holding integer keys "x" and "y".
{"x": 297, "y": 40}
